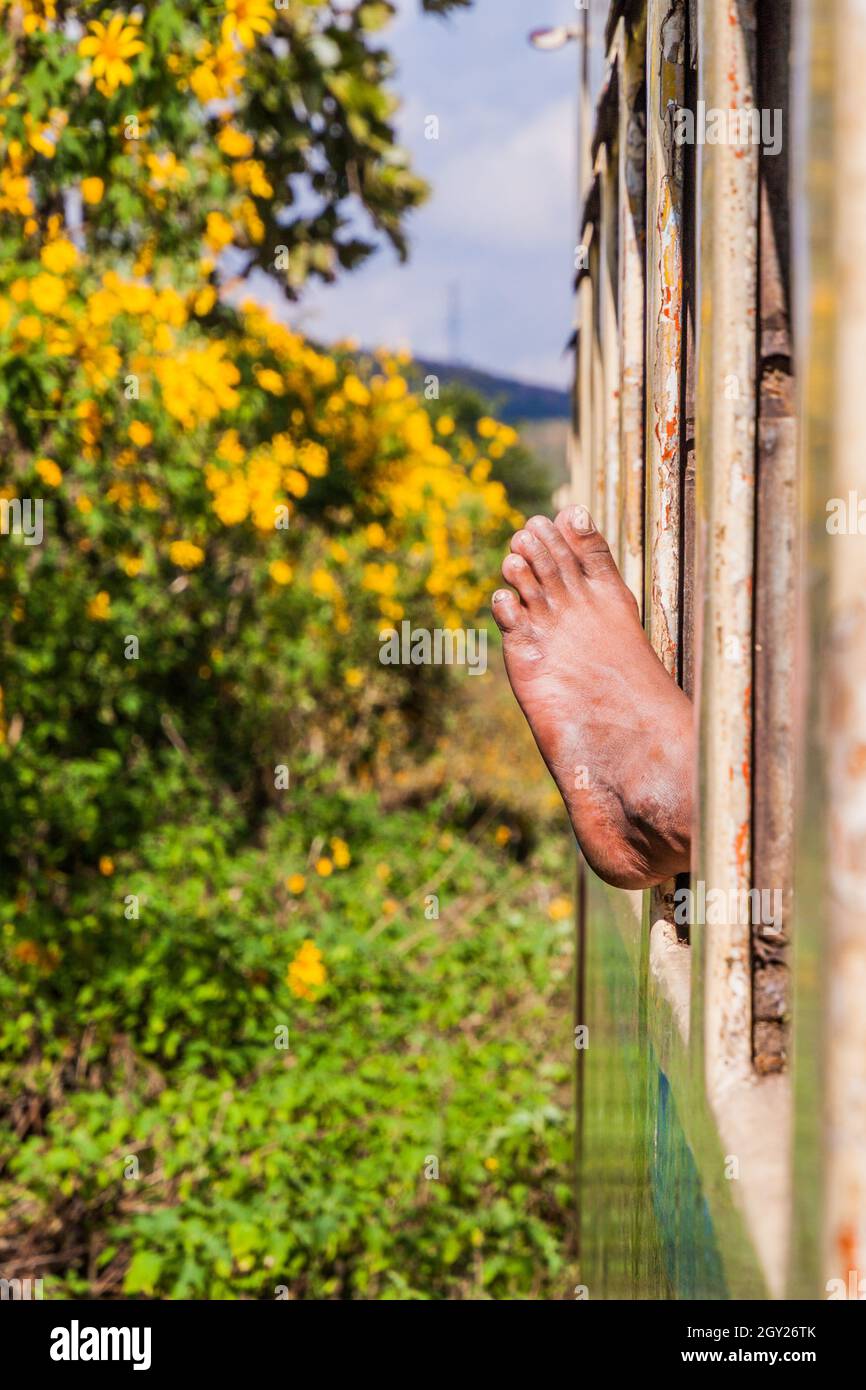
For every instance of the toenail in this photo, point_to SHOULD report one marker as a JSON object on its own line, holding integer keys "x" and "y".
{"x": 581, "y": 519}
{"x": 501, "y": 595}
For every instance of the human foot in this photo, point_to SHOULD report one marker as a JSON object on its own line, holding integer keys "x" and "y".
{"x": 613, "y": 727}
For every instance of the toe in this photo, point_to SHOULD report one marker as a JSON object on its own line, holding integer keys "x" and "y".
{"x": 507, "y": 610}
{"x": 545, "y": 531}
{"x": 518, "y": 573}
{"x": 533, "y": 550}
{"x": 577, "y": 528}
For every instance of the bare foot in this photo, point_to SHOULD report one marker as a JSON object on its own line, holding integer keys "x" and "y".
{"x": 613, "y": 727}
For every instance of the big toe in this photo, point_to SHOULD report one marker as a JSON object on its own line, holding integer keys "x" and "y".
{"x": 586, "y": 542}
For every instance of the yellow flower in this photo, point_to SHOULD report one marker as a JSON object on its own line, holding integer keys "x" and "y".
{"x": 198, "y": 383}
{"x": 324, "y": 867}
{"x": 313, "y": 458}
{"x": 30, "y": 328}
{"x": 43, "y": 136}
{"x": 395, "y": 389}
{"x": 390, "y": 906}
{"x": 84, "y": 505}
{"x": 445, "y": 425}
{"x": 132, "y": 565}
{"x": 353, "y": 677}
{"x": 296, "y": 883}
{"x": 218, "y": 76}
{"x": 106, "y": 866}
{"x": 99, "y": 607}
{"x": 58, "y": 256}
{"x": 48, "y": 292}
{"x": 140, "y": 433}
{"x": 503, "y": 834}
{"x": 307, "y": 971}
{"x": 417, "y": 431}
{"x": 491, "y": 1164}
{"x": 340, "y": 851}
{"x": 38, "y": 14}
{"x": 270, "y": 380}
{"x": 323, "y": 584}
{"x": 281, "y": 572}
{"x": 185, "y": 555}
{"x": 109, "y": 46}
{"x": 49, "y": 472}
{"x": 235, "y": 143}
{"x": 487, "y": 427}
{"x": 246, "y": 18}
{"x": 204, "y": 301}
{"x": 219, "y": 232}
{"x": 92, "y": 190}
{"x": 166, "y": 170}
{"x": 230, "y": 448}
{"x": 380, "y": 579}
{"x": 559, "y": 909}
{"x": 14, "y": 183}
{"x": 232, "y": 503}
{"x": 355, "y": 391}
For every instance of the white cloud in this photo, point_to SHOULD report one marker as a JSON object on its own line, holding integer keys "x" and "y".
{"x": 511, "y": 189}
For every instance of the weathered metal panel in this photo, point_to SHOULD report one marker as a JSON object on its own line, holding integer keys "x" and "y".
{"x": 665, "y": 86}
{"x": 599, "y": 416}
{"x": 830, "y": 883}
{"x": 694, "y": 1062}
{"x": 665, "y": 89}
{"x": 725, "y": 497}
{"x": 632, "y": 249}
{"x": 606, "y": 164}
{"x": 775, "y": 561}
{"x": 727, "y": 248}
{"x": 583, "y": 481}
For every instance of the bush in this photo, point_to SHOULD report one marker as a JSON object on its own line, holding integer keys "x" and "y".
{"x": 223, "y": 814}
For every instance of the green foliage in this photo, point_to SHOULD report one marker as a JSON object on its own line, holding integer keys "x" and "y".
{"x": 304, "y": 1167}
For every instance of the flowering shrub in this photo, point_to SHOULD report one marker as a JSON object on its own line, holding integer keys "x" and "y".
{"x": 229, "y": 516}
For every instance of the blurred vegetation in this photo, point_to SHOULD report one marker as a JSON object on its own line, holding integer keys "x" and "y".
{"x": 223, "y": 817}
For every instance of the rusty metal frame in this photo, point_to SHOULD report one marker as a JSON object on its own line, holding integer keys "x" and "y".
{"x": 666, "y": 30}
{"x": 631, "y": 141}
{"x": 698, "y": 500}
{"x": 830, "y": 884}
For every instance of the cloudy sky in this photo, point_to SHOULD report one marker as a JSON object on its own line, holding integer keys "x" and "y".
{"x": 498, "y": 233}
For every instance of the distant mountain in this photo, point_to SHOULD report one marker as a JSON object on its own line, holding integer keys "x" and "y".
{"x": 513, "y": 401}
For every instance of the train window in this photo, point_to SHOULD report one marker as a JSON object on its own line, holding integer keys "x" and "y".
{"x": 728, "y": 526}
